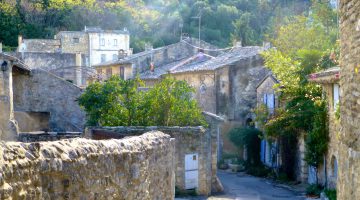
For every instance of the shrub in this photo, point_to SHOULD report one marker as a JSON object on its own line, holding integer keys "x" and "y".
{"x": 250, "y": 139}
{"x": 118, "y": 102}
{"x": 330, "y": 193}
{"x": 259, "y": 170}
{"x": 185, "y": 193}
{"x": 314, "y": 190}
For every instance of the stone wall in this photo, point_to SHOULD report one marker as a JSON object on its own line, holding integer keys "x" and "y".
{"x": 133, "y": 168}
{"x": 188, "y": 140}
{"x": 236, "y": 94}
{"x": 349, "y": 154}
{"x": 43, "y": 92}
{"x": 60, "y": 64}
{"x": 204, "y": 85}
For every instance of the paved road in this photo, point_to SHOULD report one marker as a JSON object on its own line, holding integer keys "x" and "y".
{"x": 245, "y": 187}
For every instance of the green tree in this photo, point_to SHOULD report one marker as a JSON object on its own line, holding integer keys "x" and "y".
{"x": 118, "y": 102}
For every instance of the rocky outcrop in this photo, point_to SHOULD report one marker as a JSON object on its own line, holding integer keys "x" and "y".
{"x": 132, "y": 168}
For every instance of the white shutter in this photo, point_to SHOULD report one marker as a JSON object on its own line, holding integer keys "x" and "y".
{"x": 336, "y": 95}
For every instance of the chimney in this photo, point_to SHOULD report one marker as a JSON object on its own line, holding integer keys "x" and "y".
{"x": 0, "y": 47}
{"x": 78, "y": 71}
{"x": 20, "y": 40}
{"x": 122, "y": 54}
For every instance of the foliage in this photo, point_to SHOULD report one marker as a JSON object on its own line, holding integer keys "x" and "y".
{"x": 157, "y": 21}
{"x": 258, "y": 170}
{"x": 304, "y": 44}
{"x": 185, "y": 193}
{"x": 262, "y": 115}
{"x": 118, "y": 102}
{"x": 330, "y": 193}
{"x": 171, "y": 104}
{"x": 250, "y": 139}
{"x": 316, "y": 142}
{"x": 314, "y": 190}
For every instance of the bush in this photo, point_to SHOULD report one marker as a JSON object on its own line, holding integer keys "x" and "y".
{"x": 185, "y": 193}
{"x": 330, "y": 193}
{"x": 250, "y": 139}
{"x": 314, "y": 190}
{"x": 259, "y": 170}
{"x": 118, "y": 102}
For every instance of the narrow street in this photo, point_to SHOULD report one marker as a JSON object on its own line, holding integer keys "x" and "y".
{"x": 244, "y": 187}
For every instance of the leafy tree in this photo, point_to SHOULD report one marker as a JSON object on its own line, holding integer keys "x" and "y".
{"x": 118, "y": 102}
{"x": 249, "y": 138}
{"x": 316, "y": 142}
{"x": 302, "y": 45}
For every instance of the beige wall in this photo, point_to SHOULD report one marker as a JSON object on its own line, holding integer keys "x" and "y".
{"x": 349, "y": 154}
{"x": 135, "y": 168}
{"x": 32, "y": 121}
{"x": 69, "y": 46}
{"x": 115, "y": 69}
{"x": 204, "y": 84}
{"x": 8, "y": 126}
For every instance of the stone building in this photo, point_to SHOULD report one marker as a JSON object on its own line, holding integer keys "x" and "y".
{"x": 267, "y": 96}
{"x": 105, "y": 70}
{"x": 328, "y": 171}
{"x": 98, "y": 45}
{"x": 34, "y": 100}
{"x": 225, "y": 80}
{"x": 348, "y": 185}
{"x": 224, "y": 84}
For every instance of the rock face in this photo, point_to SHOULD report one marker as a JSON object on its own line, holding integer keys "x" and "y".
{"x": 132, "y": 168}
{"x": 349, "y": 152}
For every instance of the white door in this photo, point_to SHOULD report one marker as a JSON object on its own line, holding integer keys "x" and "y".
{"x": 191, "y": 171}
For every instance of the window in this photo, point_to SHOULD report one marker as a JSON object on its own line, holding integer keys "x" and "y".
{"x": 76, "y": 40}
{"x": 115, "y": 42}
{"x": 336, "y": 95}
{"x": 122, "y": 73}
{"x": 108, "y": 72}
{"x": 102, "y": 42}
{"x": 269, "y": 101}
{"x": 103, "y": 58}
{"x": 115, "y": 57}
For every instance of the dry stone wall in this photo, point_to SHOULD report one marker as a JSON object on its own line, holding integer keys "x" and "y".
{"x": 188, "y": 140}
{"x": 132, "y": 168}
{"x": 349, "y": 151}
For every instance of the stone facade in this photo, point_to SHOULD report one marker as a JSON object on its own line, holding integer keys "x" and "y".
{"x": 188, "y": 141}
{"x": 349, "y": 154}
{"x": 43, "y": 92}
{"x": 135, "y": 168}
{"x": 72, "y": 67}
{"x": 38, "y": 97}
{"x": 328, "y": 171}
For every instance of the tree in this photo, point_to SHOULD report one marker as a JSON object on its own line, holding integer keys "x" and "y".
{"x": 302, "y": 45}
{"x": 118, "y": 102}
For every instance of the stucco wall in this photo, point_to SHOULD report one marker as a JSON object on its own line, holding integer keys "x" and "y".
{"x": 188, "y": 140}
{"x": 135, "y": 168}
{"x": 44, "y": 92}
{"x": 349, "y": 154}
